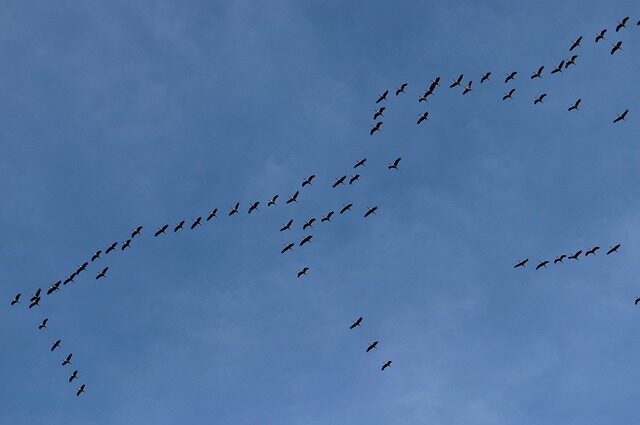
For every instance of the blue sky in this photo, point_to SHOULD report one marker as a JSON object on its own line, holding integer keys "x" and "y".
{"x": 119, "y": 114}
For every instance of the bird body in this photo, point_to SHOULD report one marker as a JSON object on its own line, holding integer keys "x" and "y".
{"x": 96, "y": 255}
{"x": 613, "y": 249}
{"x": 308, "y": 224}
{"x": 136, "y": 232}
{"x": 126, "y": 245}
{"x": 161, "y": 230}
{"x": 360, "y": 163}
{"x": 511, "y": 76}
{"x": 600, "y": 35}
{"x": 616, "y": 47}
{"x": 370, "y": 211}
{"x": 371, "y": 346}
{"x": 382, "y": 96}
{"x": 422, "y": 117}
{"x": 379, "y": 113}
{"x": 272, "y": 201}
{"x": 401, "y": 88}
{"x": 253, "y": 207}
{"x": 539, "y": 99}
{"x": 538, "y": 73}
{"x": 346, "y": 208}
{"x": 376, "y": 127}
{"x": 43, "y": 325}
{"x": 102, "y": 274}
{"x": 196, "y": 222}
{"x": 306, "y": 239}
{"x": 73, "y": 376}
{"x": 287, "y": 247}
{"x": 457, "y": 81}
{"x": 111, "y": 247}
{"x": 394, "y": 164}
{"x": 354, "y": 178}
{"x": 327, "y": 217}
{"x": 509, "y": 94}
{"x": 293, "y": 198}
{"x": 235, "y": 208}
{"x": 287, "y": 226}
{"x": 575, "y": 106}
{"x": 467, "y": 88}
{"x": 80, "y": 390}
{"x": 309, "y": 179}
{"x": 485, "y": 77}
{"x": 575, "y": 44}
{"x": 339, "y": 181}
{"x": 621, "y": 117}
{"x": 591, "y": 251}
{"x": 521, "y": 263}
{"x": 542, "y": 264}
{"x": 356, "y": 323}
{"x": 386, "y": 365}
{"x": 575, "y": 256}
{"x": 303, "y": 272}
{"x": 178, "y": 226}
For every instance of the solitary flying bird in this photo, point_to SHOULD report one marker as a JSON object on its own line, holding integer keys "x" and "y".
{"x": 575, "y": 44}
{"x": 136, "y": 232}
{"x": 178, "y": 226}
{"x": 370, "y": 211}
{"x": 161, "y": 230}
{"x": 542, "y": 264}
{"x": 485, "y": 77}
{"x": 622, "y": 23}
{"x": 327, "y": 217}
{"x": 616, "y": 47}
{"x": 43, "y": 325}
{"x": 511, "y": 76}
{"x": 600, "y": 35}
{"x": 423, "y": 117}
{"x": 56, "y": 345}
{"x": 538, "y": 73}
{"x": 111, "y": 247}
{"x": 360, "y": 163}
{"x": 521, "y": 263}
{"x": 235, "y": 208}
{"x": 394, "y": 164}
{"x": 253, "y": 207}
{"x": 67, "y": 360}
{"x": 621, "y": 117}
{"x": 287, "y": 226}
{"x": 539, "y": 99}
{"x": 80, "y": 390}
{"x": 96, "y": 255}
{"x": 613, "y": 249}
{"x": 383, "y": 96}
{"x": 287, "y": 247}
{"x": 196, "y": 222}
{"x": 303, "y": 272}
{"x": 509, "y": 94}
{"x": 356, "y": 323}
{"x": 575, "y": 106}
{"x": 346, "y": 208}
{"x": 371, "y": 346}
{"x": 213, "y": 213}
{"x": 103, "y": 273}
{"x": 293, "y": 198}
{"x": 272, "y": 201}
{"x": 73, "y": 376}
{"x": 16, "y": 299}
{"x": 339, "y": 181}
{"x": 308, "y": 180}
{"x": 401, "y": 88}
{"x": 386, "y": 365}
{"x": 308, "y": 224}
{"x": 457, "y": 81}
{"x": 375, "y": 127}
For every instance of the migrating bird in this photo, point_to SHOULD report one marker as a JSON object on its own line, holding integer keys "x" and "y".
{"x": 371, "y": 346}
{"x": 272, "y": 201}
{"x": 485, "y": 77}
{"x": 178, "y": 226}
{"x": 558, "y": 68}
{"x": 196, "y": 223}
{"x": 303, "y": 272}
{"x": 36, "y": 294}
{"x": 103, "y": 273}
{"x": 570, "y": 61}
{"x": 287, "y": 247}
{"x": 346, "y": 208}
{"x": 16, "y": 299}
{"x": 253, "y": 207}
{"x": 575, "y": 256}
{"x": 376, "y": 127}
{"x": 591, "y": 251}
{"x": 308, "y": 180}
{"x": 386, "y": 365}
{"x": 96, "y": 255}
{"x": 457, "y": 81}
{"x": 423, "y": 117}
{"x": 510, "y": 77}
{"x": 509, "y": 94}
{"x": 542, "y": 264}
{"x": 539, "y": 99}
{"x": 383, "y": 96}
{"x": 82, "y": 267}
{"x": 308, "y": 224}
{"x": 287, "y": 226}
{"x": 559, "y": 259}
{"x": 616, "y": 47}
{"x": 126, "y": 245}
{"x": 424, "y": 97}
{"x": 467, "y": 89}
{"x": 379, "y": 113}
{"x": 54, "y": 287}
{"x": 538, "y": 73}
{"x": 80, "y": 390}
{"x": 213, "y": 213}
{"x": 622, "y": 23}
{"x": 356, "y": 323}
{"x": 575, "y": 106}
{"x": 613, "y": 249}
{"x": 575, "y": 44}
{"x": 370, "y": 211}
{"x": 234, "y": 210}
{"x": 293, "y": 198}
{"x": 56, "y": 345}
{"x": 360, "y": 163}
{"x": 34, "y": 302}
{"x": 43, "y": 325}
{"x": 394, "y": 164}
{"x": 521, "y": 263}
{"x": 111, "y": 247}
{"x": 600, "y": 35}
{"x": 434, "y": 83}
{"x": 327, "y": 217}
{"x": 354, "y": 178}
{"x": 339, "y": 181}
{"x": 401, "y": 88}
{"x": 621, "y": 117}
{"x": 73, "y": 376}
{"x": 161, "y": 230}
{"x": 136, "y": 232}
{"x": 70, "y": 278}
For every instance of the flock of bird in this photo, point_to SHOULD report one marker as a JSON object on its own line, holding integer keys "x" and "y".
{"x": 343, "y": 180}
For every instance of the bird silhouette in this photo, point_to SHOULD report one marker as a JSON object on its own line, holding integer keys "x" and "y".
{"x": 96, "y": 255}
{"x": 539, "y": 99}
{"x": 308, "y": 180}
{"x": 306, "y": 239}
{"x": 394, "y": 164}
{"x": 67, "y": 360}
{"x": 212, "y": 214}
{"x": 575, "y": 44}
{"x": 80, "y": 390}
{"x": 287, "y": 247}
{"x": 34, "y": 302}
{"x": 126, "y": 245}
{"x": 161, "y": 230}
{"x": 102, "y": 274}
{"x": 375, "y": 127}
{"x": 382, "y": 96}
{"x": 235, "y": 208}
{"x": 509, "y": 94}
{"x": 401, "y": 88}
{"x": 56, "y": 345}
{"x": 379, "y": 113}
{"x": 339, "y": 181}
{"x": 422, "y": 117}
{"x": 73, "y": 376}
{"x": 308, "y": 224}
{"x": 558, "y": 67}
{"x": 575, "y": 106}
{"x": 16, "y": 299}
{"x": 575, "y": 256}
{"x": 621, "y": 117}
{"x": 542, "y": 264}
{"x": 600, "y": 35}
{"x": 354, "y": 178}
{"x": 457, "y": 81}
{"x": 346, "y": 208}
{"x": 559, "y": 259}
{"x": 327, "y": 217}
{"x": 43, "y": 325}
{"x": 386, "y": 365}
{"x": 616, "y": 47}
{"x": 637, "y": 299}
{"x": 360, "y": 163}
{"x": 272, "y": 201}
{"x": 622, "y": 23}
{"x": 357, "y": 323}
{"x": 434, "y": 83}
{"x": 591, "y": 251}
{"x": 136, "y": 232}
{"x": 178, "y": 226}
{"x": 511, "y": 76}
{"x": 196, "y": 222}
{"x": 287, "y": 226}
{"x": 36, "y": 294}
{"x": 371, "y": 346}
{"x": 293, "y": 198}
{"x": 538, "y": 73}
{"x": 111, "y": 247}
{"x": 424, "y": 97}
{"x": 303, "y": 272}
{"x": 467, "y": 88}
{"x": 521, "y": 263}
{"x": 613, "y": 249}
{"x": 54, "y": 287}
{"x": 253, "y": 207}
{"x": 570, "y": 61}
{"x": 370, "y": 211}
{"x": 485, "y": 77}
{"x": 70, "y": 278}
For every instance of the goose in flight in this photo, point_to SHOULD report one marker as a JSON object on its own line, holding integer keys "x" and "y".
{"x": 521, "y": 263}
{"x": 575, "y": 256}
{"x": 306, "y": 239}
{"x": 379, "y": 113}
{"x": 382, "y": 96}
{"x": 339, "y": 181}
{"x": 422, "y": 117}
{"x": 357, "y": 323}
{"x": 511, "y": 76}
{"x": 34, "y": 302}
{"x": 375, "y": 127}
{"x": 600, "y": 35}
{"x": 467, "y": 88}
{"x": 346, "y": 208}
{"x": 559, "y": 259}
{"x": 570, "y": 61}
{"x": 575, "y": 106}
{"x": 558, "y": 68}
{"x": 575, "y": 44}
{"x": 539, "y": 99}
{"x": 136, "y": 232}
{"x": 622, "y": 23}
{"x": 591, "y": 251}
{"x": 126, "y": 245}
{"x": 80, "y": 390}
{"x": 253, "y": 207}
{"x": 111, "y": 247}
{"x": 308, "y": 180}
{"x": 196, "y": 222}
{"x": 457, "y": 81}
{"x": 54, "y": 287}
{"x": 161, "y": 230}
{"x": 73, "y": 376}
{"x": 70, "y": 278}
{"x": 616, "y": 47}
{"x": 434, "y": 83}
{"x": 542, "y": 264}
{"x": 43, "y": 325}
{"x": 509, "y": 94}
{"x": 394, "y": 164}
{"x": 538, "y": 73}
{"x": 16, "y": 299}
{"x": 56, "y": 345}
{"x": 354, "y": 178}
{"x": 287, "y": 247}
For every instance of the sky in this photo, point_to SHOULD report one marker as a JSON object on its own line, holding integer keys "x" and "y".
{"x": 119, "y": 114}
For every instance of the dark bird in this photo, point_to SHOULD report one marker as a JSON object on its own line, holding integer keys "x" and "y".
{"x": 70, "y": 278}
{"x": 424, "y": 97}
{"x": 383, "y": 96}
{"x": 234, "y": 210}
{"x": 434, "y": 83}
{"x": 308, "y": 180}
{"x": 575, "y": 106}
{"x": 308, "y": 224}
{"x": 56, "y": 345}
{"x": 54, "y": 287}
{"x": 613, "y": 249}
{"x": 558, "y": 68}
{"x": 575, "y": 44}
{"x": 394, "y": 164}
{"x": 356, "y": 323}
{"x": 521, "y": 263}
{"x": 272, "y": 201}
{"x": 73, "y": 376}
{"x": 457, "y": 81}
{"x": 327, "y": 217}
{"x": 196, "y": 222}
{"x": 16, "y": 299}
{"x": 570, "y": 61}
{"x": 622, "y": 23}
{"x": 386, "y": 365}
{"x": 111, "y": 247}
{"x": 542, "y": 264}
{"x": 126, "y": 245}
{"x": 346, "y": 208}
{"x": 539, "y": 99}
{"x": 339, "y": 181}
{"x": 370, "y": 211}
{"x": 401, "y": 88}
{"x": 509, "y": 94}
{"x": 103, "y": 273}
{"x": 212, "y": 214}
{"x": 616, "y": 47}
{"x": 287, "y": 247}
{"x": 637, "y": 299}
{"x": 293, "y": 198}
{"x": 36, "y": 294}
{"x": 43, "y": 325}
{"x": 360, "y": 163}
{"x": 34, "y": 302}
{"x": 559, "y": 259}
{"x": 161, "y": 230}
{"x": 621, "y": 117}
{"x": 82, "y": 267}
{"x": 575, "y": 256}
{"x": 538, "y": 73}
{"x": 591, "y": 251}
{"x": 136, "y": 232}
{"x": 485, "y": 77}
{"x": 376, "y": 127}
{"x": 600, "y": 35}
{"x": 287, "y": 226}
{"x": 253, "y": 207}
{"x": 306, "y": 239}
{"x": 80, "y": 390}
{"x": 467, "y": 88}
{"x": 423, "y": 117}
{"x": 96, "y": 255}
{"x": 354, "y": 178}
{"x": 371, "y": 346}
{"x": 178, "y": 226}
{"x": 303, "y": 272}
{"x": 379, "y": 113}
{"x": 510, "y": 77}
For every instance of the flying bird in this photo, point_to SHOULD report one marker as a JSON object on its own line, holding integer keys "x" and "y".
{"x": 136, "y": 232}
{"x": 558, "y": 68}
{"x": 510, "y": 77}
{"x": 196, "y": 222}
{"x": 570, "y": 61}
{"x": 621, "y": 117}
{"x": 272, "y": 201}
{"x": 54, "y": 287}
{"x": 457, "y": 81}
{"x": 575, "y": 106}
{"x": 354, "y": 178}
{"x": 346, "y": 208}
{"x": 126, "y": 245}
{"x": 485, "y": 77}
{"x": 339, "y": 181}
{"x": 70, "y": 278}
{"x": 386, "y": 365}
{"x": 559, "y": 259}
{"x": 434, "y": 83}
{"x": 306, "y": 239}
{"x": 423, "y": 117}
{"x": 376, "y": 127}
{"x": 96, "y": 255}
{"x": 613, "y": 249}
{"x": 178, "y": 226}
{"x": 356, "y": 323}
{"x": 287, "y": 247}
{"x": 253, "y": 207}
{"x": 371, "y": 346}
{"x": 379, "y": 113}
{"x": 287, "y": 226}
{"x": 521, "y": 263}
{"x": 36, "y": 294}
{"x": 616, "y": 47}
{"x": 293, "y": 198}
{"x": 56, "y": 345}
{"x": 161, "y": 230}
{"x": 43, "y": 325}
{"x": 383, "y": 96}
{"x": 111, "y": 247}
{"x": 82, "y": 267}
{"x": 327, "y": 217}
{"x": 103, "y": 273}
{"x": 80, "y": 390}
{"x": 16, "y": 299}
{"x": 360, "y": 163}
{"x": 308, "y": 180}
{"x": 575, "y": 44}
{"x": 235, "y": 208}
{"x": 401, "y": 88}
{"x": 425, "y": 96}
{"x": 591, "y": 251}
{"x": 370, "y": 211}
{"x": 600, "y": 35}
{"x": 542, "y": 264}
{"x": 394, "y": 164}
{"x": 575, "y": 256}
{"x": 303, "y": 272}
{"x": 622, "y": 23}
{"x": 73, "y": 376}
{"x": 538, "y": 73}
{"x": 213, "y": 214}
{"x": 34, "y": 302}
{"x": 539, "y": 99}
{"x": 509, "y": 94}
{"x": 467, "y": 88}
